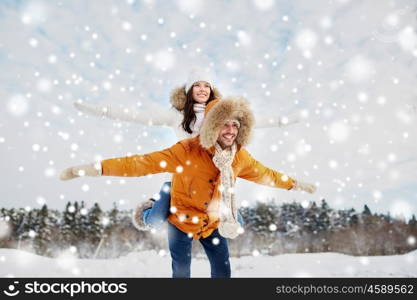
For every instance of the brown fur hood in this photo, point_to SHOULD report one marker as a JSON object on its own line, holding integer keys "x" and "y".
{"x": 218, "y": 112}
{"x": 178, "y": 97}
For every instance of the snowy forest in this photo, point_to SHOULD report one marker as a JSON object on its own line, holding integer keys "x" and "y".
{"x": 269, "y": 229}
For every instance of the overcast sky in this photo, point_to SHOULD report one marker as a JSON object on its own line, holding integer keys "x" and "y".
{"x": 348, "y": 66}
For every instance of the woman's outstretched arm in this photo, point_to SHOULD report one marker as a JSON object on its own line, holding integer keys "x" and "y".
{"x": 264, "y": 121}
{"x": 147, "y": 117}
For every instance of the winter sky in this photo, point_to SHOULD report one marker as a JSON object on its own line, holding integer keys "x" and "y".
{"x": 349, "y": 67}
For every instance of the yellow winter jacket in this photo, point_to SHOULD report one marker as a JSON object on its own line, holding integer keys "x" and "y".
{"x": 194, "y": 192}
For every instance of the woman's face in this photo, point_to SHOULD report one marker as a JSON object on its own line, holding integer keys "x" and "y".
{"x": 201, "y": 91}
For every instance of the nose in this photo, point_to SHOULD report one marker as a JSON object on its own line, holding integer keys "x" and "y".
{"x": 229, "y": 127}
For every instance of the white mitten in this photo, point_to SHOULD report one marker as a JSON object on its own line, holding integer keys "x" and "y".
{"x": 229, "y": 229}
{"x": 91, "y": 109}
{"x": 303, "y": 186}
{"x": 79, "y": 171}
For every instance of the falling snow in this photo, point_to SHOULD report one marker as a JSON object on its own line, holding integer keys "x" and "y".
{"x": 352, "y": 83}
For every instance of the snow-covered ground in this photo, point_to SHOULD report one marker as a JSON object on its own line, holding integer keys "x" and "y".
{"x": 16, "y": 263}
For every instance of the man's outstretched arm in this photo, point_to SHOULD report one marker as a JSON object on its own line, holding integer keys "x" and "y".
{"x": 255, "y": 171}
{"x": 130, "y": 166}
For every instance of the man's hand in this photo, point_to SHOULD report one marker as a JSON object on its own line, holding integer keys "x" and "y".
{"x": 303, "y": 186}
{"x": 79, "y": 171}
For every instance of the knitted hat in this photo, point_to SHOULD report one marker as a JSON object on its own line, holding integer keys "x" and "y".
{"x": 219, "y": 112}
{"x": 198, "y": 74}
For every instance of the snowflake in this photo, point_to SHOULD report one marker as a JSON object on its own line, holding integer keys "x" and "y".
{"x": 190, "y": 6}
{"x": 126, "y": 26}
{"x": 40, "y": 200}
{"x": 326, "y": 22}
{"x": 105, "y": 221}
{"x": 306, "y": 40}
{"x": 339, "y": 131}
{"x": 44, "y": 85}
{"x": 411, "y": 240}
{"x": 407, "y": 39}
{"x": 163, "y": 164}
{"x": 364, "y": 261}
{"x": 333, "y": 164}
{"x": 106, "y": 85}
{"x": 164, "y": 60}
{"x": 33, "y": 42}
{"x": 244, "y": 38}
{"x": 359, "y": 69}
{"x": 52, "y": 59}
{"x": 33, "y": 14}
{"x": 264, "y": 4}
{"x": 17, "y": 106}
{"x": 377, "y": 195}
{"x": 117, "y": 138}
{"x": 392, "y": 157}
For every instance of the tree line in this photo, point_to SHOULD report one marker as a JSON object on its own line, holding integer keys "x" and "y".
{"x": 269, "y": 228}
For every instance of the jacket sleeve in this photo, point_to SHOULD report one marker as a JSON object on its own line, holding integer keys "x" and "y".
{"x": 143, "y": 116}
{"x": 254, "y": 171}
{"x": 263, "y": 121}
{"x": 165, "y": 161}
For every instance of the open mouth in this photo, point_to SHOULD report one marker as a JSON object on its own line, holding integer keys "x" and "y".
{"x": 229, "y": 137}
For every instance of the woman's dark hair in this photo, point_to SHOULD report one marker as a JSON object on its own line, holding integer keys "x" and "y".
{"x": 189, "y": 114}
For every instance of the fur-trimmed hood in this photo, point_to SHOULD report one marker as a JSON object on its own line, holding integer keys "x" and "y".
{"x": 219, "y": 112}
{"x": 178, "y": 97}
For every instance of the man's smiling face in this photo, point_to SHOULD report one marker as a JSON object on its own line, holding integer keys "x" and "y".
{"x": 228, "y": 134}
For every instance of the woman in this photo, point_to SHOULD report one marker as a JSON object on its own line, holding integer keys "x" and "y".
{"x": 186, "y": 117}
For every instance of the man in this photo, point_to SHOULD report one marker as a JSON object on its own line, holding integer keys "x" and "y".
{"x": 204, "y": 171}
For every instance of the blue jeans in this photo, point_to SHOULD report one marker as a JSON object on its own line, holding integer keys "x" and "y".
{"x": 159, "y": 212}
{"x": 180, "y": 246}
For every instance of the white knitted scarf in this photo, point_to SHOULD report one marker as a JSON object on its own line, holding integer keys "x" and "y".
{"x": 199, "y": 109}
{"x": 222, "y": 159}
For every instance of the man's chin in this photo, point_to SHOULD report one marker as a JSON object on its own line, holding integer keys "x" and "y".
{"x": 226, "y": 144}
